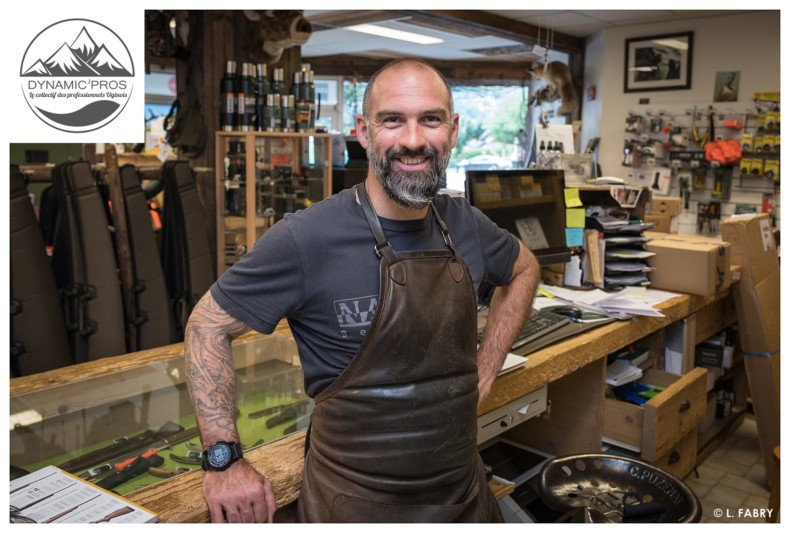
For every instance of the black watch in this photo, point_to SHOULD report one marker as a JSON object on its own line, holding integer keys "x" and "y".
{"x": 221, "y": 455}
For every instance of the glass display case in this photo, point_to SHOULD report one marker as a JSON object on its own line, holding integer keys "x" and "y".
{"x": 284, "y": 172}
{"x": 91, "y": 426}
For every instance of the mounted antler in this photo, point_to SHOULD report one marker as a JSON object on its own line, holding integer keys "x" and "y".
{"x": 279, "y": 30}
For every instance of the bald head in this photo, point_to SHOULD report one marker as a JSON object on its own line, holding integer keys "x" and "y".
{"x": 403, "y": 64}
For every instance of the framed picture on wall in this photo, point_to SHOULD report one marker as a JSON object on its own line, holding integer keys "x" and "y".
{"x": 658, "y": 62}
{"x": 726, "y": 86}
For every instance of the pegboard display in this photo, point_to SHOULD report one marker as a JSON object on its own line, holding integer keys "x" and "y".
{"x": 721, "y": 158}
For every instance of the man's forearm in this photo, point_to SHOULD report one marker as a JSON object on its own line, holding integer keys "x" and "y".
{"x": 210, "y": 372}
{"x": 510, "y": 308}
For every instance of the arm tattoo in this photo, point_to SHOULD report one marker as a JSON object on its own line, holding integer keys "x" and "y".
{"x": 210, "y": 373}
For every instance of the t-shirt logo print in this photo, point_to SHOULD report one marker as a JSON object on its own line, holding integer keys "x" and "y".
{"x": 355, "y": 313}
{"x": 77, "y": 75}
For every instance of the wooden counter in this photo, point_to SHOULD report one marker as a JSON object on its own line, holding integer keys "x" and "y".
{"x": 574, "y": 367}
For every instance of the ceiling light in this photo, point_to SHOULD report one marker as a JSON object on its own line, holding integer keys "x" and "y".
{"x": 381, "y": 31}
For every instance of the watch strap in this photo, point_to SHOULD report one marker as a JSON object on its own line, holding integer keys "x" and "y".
{"x": 236, "y": 453}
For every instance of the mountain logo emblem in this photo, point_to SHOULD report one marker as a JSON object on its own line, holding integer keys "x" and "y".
{"x": 77, "y": 75}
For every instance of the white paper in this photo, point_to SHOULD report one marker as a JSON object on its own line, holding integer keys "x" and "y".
{"x": 625, "y": 303}
{"x": 512, "y": 362}
{"x": 621, "y": 372}
{"x": 673, "y": 361}
{"x": 626, "y": 266}
{"x": 628, "y": 253}
{"x": 531, "y": 233}
{"x": 625, "y": 195}
{"x": 573, "y": 272}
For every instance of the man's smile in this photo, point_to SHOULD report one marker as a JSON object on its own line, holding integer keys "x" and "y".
{"x": 406, "y": 161}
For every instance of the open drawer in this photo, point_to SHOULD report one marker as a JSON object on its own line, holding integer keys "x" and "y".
{"x": 653, "y": 428}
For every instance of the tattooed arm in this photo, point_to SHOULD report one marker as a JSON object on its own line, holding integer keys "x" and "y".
{"x": 240, "y": 493}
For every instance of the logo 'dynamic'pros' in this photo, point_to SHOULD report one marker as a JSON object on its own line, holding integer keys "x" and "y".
{"x": 77, "y": 75}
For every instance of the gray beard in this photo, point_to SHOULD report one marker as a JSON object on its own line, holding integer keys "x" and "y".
{"x": 410, "y": 189}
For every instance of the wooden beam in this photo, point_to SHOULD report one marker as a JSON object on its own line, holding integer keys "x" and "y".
{"x": 479, "y": 72}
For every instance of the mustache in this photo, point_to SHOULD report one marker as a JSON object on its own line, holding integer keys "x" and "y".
{"x": 406, "y": 152}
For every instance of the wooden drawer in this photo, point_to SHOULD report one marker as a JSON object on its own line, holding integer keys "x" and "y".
{"x": 653, "y": 428}
{"x": 681, "y": 457}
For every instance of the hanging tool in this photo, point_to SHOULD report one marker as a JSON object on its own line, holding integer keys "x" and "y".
{"x": 685, "y": 191}
{"x": 702, "y": 141}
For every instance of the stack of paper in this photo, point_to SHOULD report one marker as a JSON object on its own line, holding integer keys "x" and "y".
{"x": 621, "y": 372}
{"x": 622, "y": 244}
{"x": 625, "y": 303}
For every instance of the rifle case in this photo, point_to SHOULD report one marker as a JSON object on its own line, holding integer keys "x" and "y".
{"x": 85, "y": 266}
{"x": 38, "y": 330}
{"x": 186, "y": 256}
{"x": 150, "y": 304}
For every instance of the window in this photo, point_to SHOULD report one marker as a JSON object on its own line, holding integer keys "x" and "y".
{"x": 491, "y": 127}
{"x": 160, "y": 92}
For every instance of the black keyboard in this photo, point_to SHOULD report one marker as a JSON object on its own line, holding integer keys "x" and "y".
{"x": 539, "y": 323}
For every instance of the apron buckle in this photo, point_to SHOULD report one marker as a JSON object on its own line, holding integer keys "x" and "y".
{"x": 378, "y": 247}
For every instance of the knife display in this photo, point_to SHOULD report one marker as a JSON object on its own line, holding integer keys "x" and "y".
{"x": 125, "y": 446}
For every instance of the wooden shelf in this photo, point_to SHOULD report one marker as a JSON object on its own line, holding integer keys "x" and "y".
{"x": 518, "y": 202}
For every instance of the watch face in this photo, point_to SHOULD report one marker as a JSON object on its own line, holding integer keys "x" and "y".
{"x": 219, "y": 455}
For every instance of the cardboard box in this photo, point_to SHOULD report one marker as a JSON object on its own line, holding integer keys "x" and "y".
{"x": 757, "y": 294}
{"x": 663, "y": 223}
{"x": 688, "y": 263}
{"x": 671, "y": 206}
{"x": 757, "y": 306}
{"x": 553, "y": 274}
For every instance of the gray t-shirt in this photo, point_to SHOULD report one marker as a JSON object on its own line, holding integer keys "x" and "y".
{"x": 318, "y": 268}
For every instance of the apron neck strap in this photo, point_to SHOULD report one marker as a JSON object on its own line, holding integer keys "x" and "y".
{"x": 443, "y": 228}
{"x": 383, "y": 248}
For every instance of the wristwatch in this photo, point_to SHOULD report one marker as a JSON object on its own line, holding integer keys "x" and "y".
{"x": 221, "y": 455}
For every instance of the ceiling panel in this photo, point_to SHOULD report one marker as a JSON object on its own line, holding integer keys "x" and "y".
{"x": 459, "y": 44}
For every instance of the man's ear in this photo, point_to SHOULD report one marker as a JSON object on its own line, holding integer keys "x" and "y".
{"x": 454, "y": 133}
{"x": 362, "y": 132}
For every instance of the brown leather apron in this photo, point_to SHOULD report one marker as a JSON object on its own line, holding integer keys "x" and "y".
{"x": 394, "y": 438}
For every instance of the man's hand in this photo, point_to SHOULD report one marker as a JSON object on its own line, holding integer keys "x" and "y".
{"x": 239, "y": 494}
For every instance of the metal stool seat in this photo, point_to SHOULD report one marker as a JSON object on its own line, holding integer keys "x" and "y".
{"x": 611, "y": 488}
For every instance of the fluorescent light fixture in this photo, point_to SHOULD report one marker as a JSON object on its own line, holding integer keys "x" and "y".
{"x": 381, "y": 31}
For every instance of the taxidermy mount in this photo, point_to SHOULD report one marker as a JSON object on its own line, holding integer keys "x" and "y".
{"x": 559, "y": 85}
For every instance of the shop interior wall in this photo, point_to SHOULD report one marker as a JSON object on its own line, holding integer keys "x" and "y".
{"x": 749, "y": 43}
